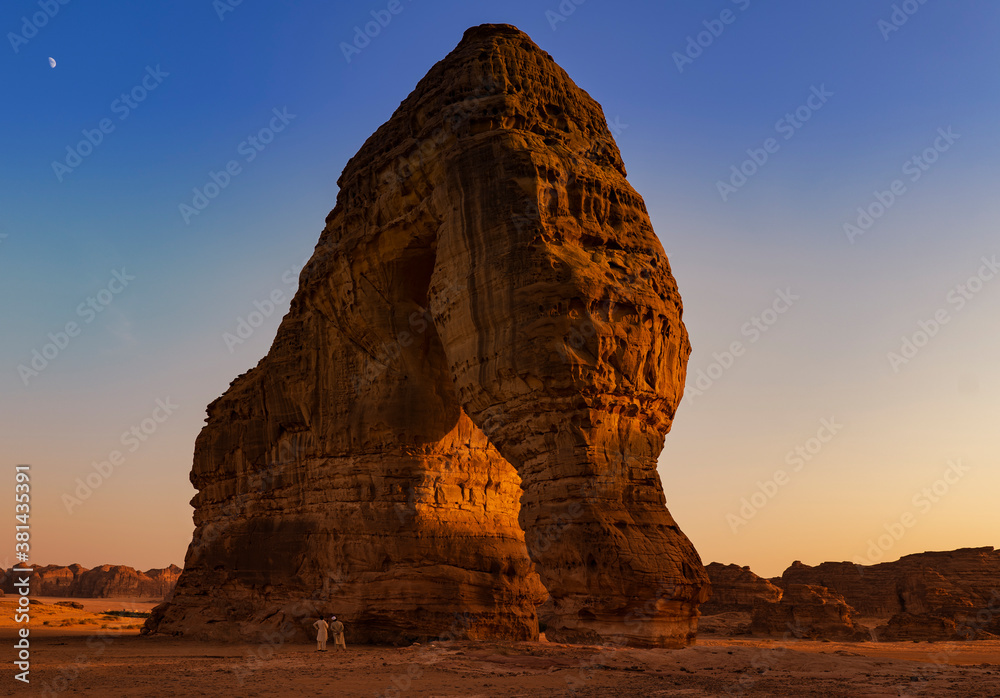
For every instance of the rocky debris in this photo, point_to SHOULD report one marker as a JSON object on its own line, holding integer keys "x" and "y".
{"x": 909, "y": 626}
{"x": 70, "y": 604}
{"x": 918, "y": 592}
{"x": 729, "y": 623}
{"x": 736, "y": 588}
{"x": 462, "y": 410}
{"x": 106, "y": 581}
{"x": 811, "y": 612}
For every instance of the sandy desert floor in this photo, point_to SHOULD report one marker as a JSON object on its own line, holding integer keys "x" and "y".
{"x": 48, "y": 617}
{"x": 86, "y": 659}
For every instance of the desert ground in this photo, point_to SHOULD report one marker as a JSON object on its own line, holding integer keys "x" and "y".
{"x": 83, "y": 652}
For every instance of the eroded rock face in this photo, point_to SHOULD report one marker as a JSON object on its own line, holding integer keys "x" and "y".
{"x": 925, "y": 626}
{"x": 110, "y": 581}
{"x": 55, "y": 580}
{"x": 105, "y": 581}
{"x": 464, "y": 406}
{"x": 736, "y": 588}
{"x": 163, "y": 580}
{"x": 947, "y": 590}
{"x": 807, "y": 611}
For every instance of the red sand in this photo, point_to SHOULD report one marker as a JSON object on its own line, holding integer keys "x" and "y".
{"x": 127, "y": 665}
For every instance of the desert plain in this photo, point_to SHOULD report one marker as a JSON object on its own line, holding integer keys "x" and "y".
{"x": 82, "y": 652}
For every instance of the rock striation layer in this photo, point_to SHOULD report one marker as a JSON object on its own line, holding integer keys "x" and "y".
{"x": 932, "y": 595}
{"x": 737, "y": 589}
{"x": 105, "y": 581}
{"x": 461, "y": 414}
{"x": 807, "y": 611}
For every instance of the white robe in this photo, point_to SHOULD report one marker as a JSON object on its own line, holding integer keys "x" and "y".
{"x": 321, "y": 626}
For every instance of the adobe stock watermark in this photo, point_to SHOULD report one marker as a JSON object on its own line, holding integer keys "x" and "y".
{"x": 263, "y": 309}
{"x": 132, "y": 439}
{"x": 763, "y": 660}
{"x": 122, "y": 107}
{"x": 425, "y": 656}
{"x": 60, "y": 340}
{"x": 542, "y": 538}
{"x": 294, "y": 616}
{"x": 391, "y": 350}
{"x": 363, "y": 36}
{"x": 700, "y": 42}
{"x": 562, "y": 12}
{"x": 96, "y": 644}
{"x": 796, "y": 459}
{"x": 577, "y": 677}
{"x": 957, "y": 299}
{"x": 900, "y": 15}
{"x": 972, "y": 627}
{"x": 406, "y": 166}
{"x": 259, "y": 482}
{"x": 249, "y": 149}
{"x": 753, "y": 329}
{"x": 786, "y": 127}
{"x": 914, "y": 168}
{"x": 30, "y": 26}
{"x": 923, "y": 502}
{"x": 223, "y": 7}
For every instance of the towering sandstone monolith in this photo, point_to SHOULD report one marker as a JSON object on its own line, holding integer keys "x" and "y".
{"x": 464, "y": 406}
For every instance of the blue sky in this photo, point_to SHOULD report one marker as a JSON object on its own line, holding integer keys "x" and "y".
{"x": 213, "y": 81}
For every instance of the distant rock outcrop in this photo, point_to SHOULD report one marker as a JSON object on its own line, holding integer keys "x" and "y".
{"x": 736, "y": 588}
{"x": 811, "y": 612}
{"x": 932, "y": 595}
{"x": 110, "y": 581}
{"x": 105, "y": 581}
{"x": 50, "y": 580}
{"x": 909, "y": 626}
{"x": 462, "y": 411}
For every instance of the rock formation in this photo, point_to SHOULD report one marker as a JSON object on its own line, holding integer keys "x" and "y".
{"x": 55, "y": 580}
{"x": 105, "y": 581}
{"x": 807, "y": 611}
{"x": 462, "y": 410}
{"x": 910, "y": 626}
{"x": 736, "y": 588}
{"x": 871, "y": 589}
{"x": 47, "y": 580}
{"x": 110, "y": 581}
{"x": 937, "y": 595}
{"x": 163, "y": 580}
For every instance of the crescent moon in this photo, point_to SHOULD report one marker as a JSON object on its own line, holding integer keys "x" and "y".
{"x": 52, "y": 62}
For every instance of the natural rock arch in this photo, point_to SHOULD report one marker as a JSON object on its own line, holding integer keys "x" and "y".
{"x": 488, "y": 316}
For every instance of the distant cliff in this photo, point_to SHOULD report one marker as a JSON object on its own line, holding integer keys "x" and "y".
{"x": 103, "y": 582}
{"x": 929, "y": 582}
{"x": 948, "y": 595}
{"x": 736, "y": 588}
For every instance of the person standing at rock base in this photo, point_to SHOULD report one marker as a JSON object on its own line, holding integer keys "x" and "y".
{"x": 321, "y": 628}
{"x": 337, "y": 628}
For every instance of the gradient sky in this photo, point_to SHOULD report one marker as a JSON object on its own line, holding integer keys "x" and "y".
{"x": 680, "y": 130}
